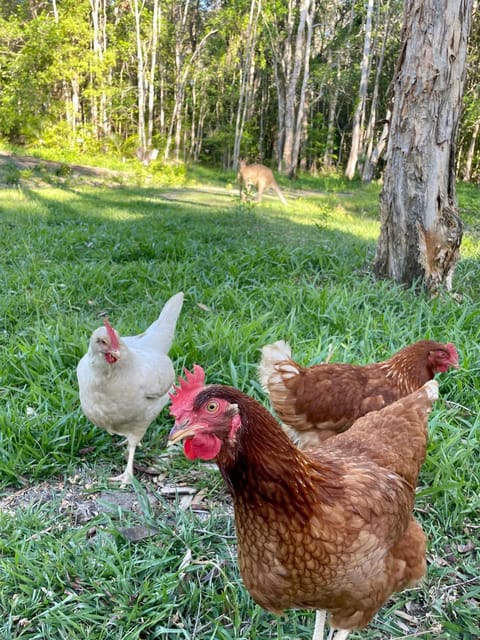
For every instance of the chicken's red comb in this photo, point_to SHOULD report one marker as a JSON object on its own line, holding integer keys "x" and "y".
{"x": 114, "y": 343}
{"x": 183, "y": 394}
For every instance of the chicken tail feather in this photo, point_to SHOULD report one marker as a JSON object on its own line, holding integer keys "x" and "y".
{"x": 272, "y": 354}
{"x": 162, "y": 331}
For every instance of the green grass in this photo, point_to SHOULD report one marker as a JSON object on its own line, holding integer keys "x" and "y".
{"x": 251, "y": 274}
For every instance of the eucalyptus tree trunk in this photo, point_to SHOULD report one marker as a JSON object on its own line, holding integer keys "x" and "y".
{"x": 421, "y": 231}
{"x": 246, "y": 77}
{"x": 300, "y": 123}
{"x": 197, "y": 133}
{"x": 359, "y": 115}
{"x": 294, "y": 103}
{"x": 280, "y": 85}
{"x": 372, "y": 154}
{"x": 467, "y": 173}
{"x": 100, "y": 119}
{"x": 55, "y": 10}
{"x": 281, "y": 50}
{"x": 175, "y": 127}
{"x": 183, "y": 69}
{"x": 141, "y": 94}
{"x": 332, "y": 155}
{"x": 153, "y": 66}
{"x": 373, "y": 158}
{"x": 332, "y": 112}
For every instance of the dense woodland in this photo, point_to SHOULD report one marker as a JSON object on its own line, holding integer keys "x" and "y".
{"x": 296, "y": 84}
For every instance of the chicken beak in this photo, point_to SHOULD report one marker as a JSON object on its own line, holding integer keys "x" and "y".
{"x": 180, "y": 432}
{"x": 112, "y": 356}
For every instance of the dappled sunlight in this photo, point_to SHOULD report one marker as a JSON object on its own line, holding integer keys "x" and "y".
{"x": 325, "y": 214}
{"x": 121, "y": 204}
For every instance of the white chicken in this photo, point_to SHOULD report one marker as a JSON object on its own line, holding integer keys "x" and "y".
{"x": 124, "y": 382}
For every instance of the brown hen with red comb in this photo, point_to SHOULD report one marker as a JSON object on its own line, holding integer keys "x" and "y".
{"x": 317, "y": 402}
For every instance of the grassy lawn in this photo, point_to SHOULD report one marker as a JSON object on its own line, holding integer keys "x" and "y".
{"x": 80, "y": 558}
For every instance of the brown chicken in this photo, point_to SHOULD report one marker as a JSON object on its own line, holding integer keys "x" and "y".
{"x": 330, "y": 529}
{"x": 315, "y": 403}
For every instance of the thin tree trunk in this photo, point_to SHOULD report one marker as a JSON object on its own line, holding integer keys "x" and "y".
{"x": 55, "y": 10}
{"x": 300, "y": 127}
{"x": 332, "y": 112}
{"x": 142, "y": 140}
{"x": 182, "y": 75}
{"x": 368, "y": 169}
{"x": 246, "y": 77}
{"x": 99, "y": 44}
{"x": 175, "y": 122}
{"x": 343, "y": 60}
{"x": 467, "y": 173}
{"x": 362, "y": 97}
{"x": 371, "y": 165}
{"x": 191, "y": 149}
{"x": 282, "y": 65}
{"x": 153, "y": 66}
{"x": 292, "y": 88}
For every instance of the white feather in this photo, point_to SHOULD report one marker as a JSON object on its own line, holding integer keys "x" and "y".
{"x": 125, "y": 397}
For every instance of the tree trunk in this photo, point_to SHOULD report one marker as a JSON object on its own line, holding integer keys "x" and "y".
{"x": 328, "y": 162}
{"x": 372, "y": 153}
{"x": 246, "y": 77}
{"x": 294, "y": 104}
{"x": 372, "y": 161}
{"x": 300, "y": 125}
{"x": 421, "y": 231}
{"x": 467, "y": 173}
{"x": 153, "y": 66}
{"x": 141, "y": 96}
{"x": 99, "y": 44}
{"x": 359, "y": 116}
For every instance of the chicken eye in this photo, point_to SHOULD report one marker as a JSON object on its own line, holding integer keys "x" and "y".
{"x": 212, "y": 407}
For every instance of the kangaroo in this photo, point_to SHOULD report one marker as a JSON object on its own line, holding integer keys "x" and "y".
{"x": 260, "y": 176}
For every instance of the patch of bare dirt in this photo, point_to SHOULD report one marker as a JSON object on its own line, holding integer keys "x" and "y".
{"x": 80, "y": 498}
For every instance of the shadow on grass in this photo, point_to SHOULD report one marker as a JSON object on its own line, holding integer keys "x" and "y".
{"x": 193, "y": 215}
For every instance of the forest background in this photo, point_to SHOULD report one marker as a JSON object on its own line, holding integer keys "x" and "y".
{"x": 290, "y": 84}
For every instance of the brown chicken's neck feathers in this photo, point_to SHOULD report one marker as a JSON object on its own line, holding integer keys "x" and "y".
{"x": 263, "y": 465}
{"x": 410, "y": 367}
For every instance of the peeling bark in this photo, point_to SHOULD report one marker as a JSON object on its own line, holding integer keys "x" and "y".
{"x": 421, "y": 231}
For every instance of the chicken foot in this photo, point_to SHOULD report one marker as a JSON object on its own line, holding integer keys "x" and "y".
{"x": 320, "y": 617}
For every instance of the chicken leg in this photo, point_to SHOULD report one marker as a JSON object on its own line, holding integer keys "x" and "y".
{"x": 320, "y": 617}
{"x": 126, "y": 477}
